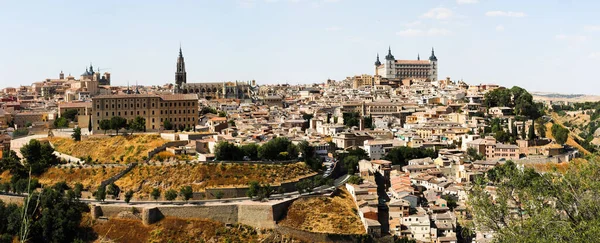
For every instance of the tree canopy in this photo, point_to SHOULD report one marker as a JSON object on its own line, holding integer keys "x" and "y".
{"x": 517, "y": 98}
{"x": 401, "y": 155}
{"x": 38, "y": 156}
{"x": 560, "y": 133}
{"x": 532, "y": 207}
{"x": 279, "y": 148}
{"x": 117, "y": 123}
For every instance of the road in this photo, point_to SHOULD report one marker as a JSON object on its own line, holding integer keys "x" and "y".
{"x": 16, "y": 144}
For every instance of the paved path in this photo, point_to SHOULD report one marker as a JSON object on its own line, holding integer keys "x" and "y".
{"x": 16, "y": 144}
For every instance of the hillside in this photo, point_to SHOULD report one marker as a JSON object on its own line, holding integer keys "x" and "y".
{"x": 89, "y": 177}
{"x": 116, "y": 149}
{"x": 337, "y": 214}
{"x": 142, "y": 179}
{"x": 178, "y": 230}
{"x": 570, "y": 141}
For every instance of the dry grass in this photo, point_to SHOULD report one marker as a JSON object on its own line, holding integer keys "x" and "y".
{"x": 109, "y": 149}
{"x": 5, "y": 176}
{"x": 89, "y": 177}
{"x": 178, "y": 230}
{"x": 143, "y": 178}
{"x": 559, "y": 167}
{"x": 325, "y": 215}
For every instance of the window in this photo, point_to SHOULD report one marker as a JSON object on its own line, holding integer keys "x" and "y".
{"x": 98, "y": 114}
{"x": 119, "y": 113}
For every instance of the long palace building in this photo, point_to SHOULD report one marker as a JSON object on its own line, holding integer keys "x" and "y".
{"x": 392, "y": 68}
{"x": 181, "y": 110}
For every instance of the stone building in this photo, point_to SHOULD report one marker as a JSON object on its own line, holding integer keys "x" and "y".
{"x": 407, "y": 69}
{"x": 181, "y": 110}
{"x": 210, "y": 90}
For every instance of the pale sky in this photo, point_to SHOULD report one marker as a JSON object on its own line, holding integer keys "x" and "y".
{"x": 541, "y": 45}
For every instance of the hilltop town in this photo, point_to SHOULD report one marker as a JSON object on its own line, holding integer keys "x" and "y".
{"x": 373, "y": 157}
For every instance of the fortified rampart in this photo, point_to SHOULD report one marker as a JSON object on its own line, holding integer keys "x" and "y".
{"x": 255, "y": 214}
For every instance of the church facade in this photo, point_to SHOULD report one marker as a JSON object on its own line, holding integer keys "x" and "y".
{"x": 392, "y": 68}
{"x": 210, "y": 90}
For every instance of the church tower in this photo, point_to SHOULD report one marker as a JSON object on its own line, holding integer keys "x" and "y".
{"x": 180, "y": 74}
{"x": 377, "y": 64}
{"x": 433, "y": 72}
{"x": 390, "y": 65}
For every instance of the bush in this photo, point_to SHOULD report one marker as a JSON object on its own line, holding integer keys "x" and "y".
{"x": 356, "y": 180}
{"x": 218, "y": 194}
{"x": 128, "y": 196}
{"x": 170, "y": 195}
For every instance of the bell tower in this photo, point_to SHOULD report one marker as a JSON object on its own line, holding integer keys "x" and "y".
{"x": 180, "y": 74}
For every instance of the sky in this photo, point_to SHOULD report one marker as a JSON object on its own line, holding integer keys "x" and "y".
{"x": 540, "y": 45}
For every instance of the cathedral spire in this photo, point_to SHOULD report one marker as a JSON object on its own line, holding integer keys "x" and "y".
{"x": 180, "y": 74}
{"x": 418, "y": 57}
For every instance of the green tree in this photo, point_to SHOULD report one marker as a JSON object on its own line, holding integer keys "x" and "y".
{"x": 128, "y": 196}
{"x": 351, "y": 163}
{"x": 71, "y": 114}
{"x": 560, "y": 133}
{"x": 100, "y": 194}
{"x": 138, "y": 124}
{"x": 356, "y": 180}
{"x": 155, "y": 193}
{"x": 250, "y": 150}
{"x": 38, "y": 156}
{"x": 274, "y": 149}
{"x": 105, "y": 125}
{"x": 113, "y": 190}
{"x": 186, "y": 192}
{"x": 473, "y": 154}
{"x": 401, "y": 155}
{"x": 523, "y": 133}
{"x": 219, "y": 194}
{"x": 541, "y": 127}
{"x": 76, "y": 134}
{"x": 225, "y": 151}
{"x": 222, "y": 114}
{"x": 253, "y": 188}
{"x": 170, "y": 195}
{"x": 61, "y": 122}
{"x": 530, "y": 207}
{"x": 77, "y": 189}
{"x": 117, "y": 123}
{"x": 90, "y": 124}
{"x": 531, "y": 134}
{"x": 167, "y": 125}
{"x": 498, "y": 98}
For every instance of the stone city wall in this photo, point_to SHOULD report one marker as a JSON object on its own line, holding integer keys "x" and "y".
{"x": 255, "y": 215}
{"x": 12, "y": 199}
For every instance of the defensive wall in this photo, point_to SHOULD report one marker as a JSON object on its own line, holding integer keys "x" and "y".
{"x": 255, "y": 214}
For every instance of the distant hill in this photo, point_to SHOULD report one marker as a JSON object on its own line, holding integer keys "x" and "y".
{"x": 545, "y": 96}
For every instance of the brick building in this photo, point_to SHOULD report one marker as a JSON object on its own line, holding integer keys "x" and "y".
{"x": 181, "y": 110}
